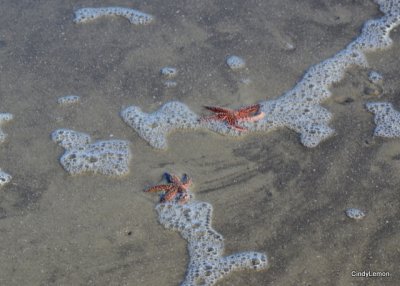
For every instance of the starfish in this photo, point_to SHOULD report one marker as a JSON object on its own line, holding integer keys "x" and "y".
{"x": 175, "y": 189}
{"x": 232, "y": 117}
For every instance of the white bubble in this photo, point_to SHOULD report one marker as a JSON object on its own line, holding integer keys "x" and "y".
{"x": 4, "y": 178}
{"x": 4, "y": 117}
{"x": 375, "y": 77}
{"x": 235, "y": 62}
{"x": 168, "y": 72}
{"x": 355, "y": 213}
{"x": 170, "y": 84}
{"x": 68, "y": 99}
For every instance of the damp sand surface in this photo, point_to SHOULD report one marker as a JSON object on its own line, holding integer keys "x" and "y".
{"x": 269, "y": 193}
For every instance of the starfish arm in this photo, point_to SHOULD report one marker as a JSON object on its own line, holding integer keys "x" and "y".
{"x": 218, "y": 116}
{"x": 218, "y": 109}
{"x": 187, "y": 184}
{"x": 232, "y": 121}
{"x": 175, "y": 180}
{"x": 246, "y": 111}
{"x": 170, "y": 195}
{"x": 158, "y": 188}
{"x": 186, "y": 179}
{"x": 185, "y": 197}
{"x": 238, "y": 127}
{"x": 257, "y": 117}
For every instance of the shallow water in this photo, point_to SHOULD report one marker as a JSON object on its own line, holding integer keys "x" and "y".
{"x": 269, "y": 193}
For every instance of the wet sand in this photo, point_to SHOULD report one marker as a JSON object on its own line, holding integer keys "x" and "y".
{"x": 269, "y": 193}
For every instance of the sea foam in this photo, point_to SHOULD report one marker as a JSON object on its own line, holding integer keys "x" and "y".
{"x": 5, "y": 178}
{"x": 4, "y": 117}
{"x": 205, "y": 245}
{"x": 298, "y": 109}
{"x": 387, "y": 119}
{"x": 68, "y": 100}
{"x": 354, "y": 213}
{"x": 109, "y": 157}
{"x": 168, "y": 72}
{"x": 154, "y": 127}
{"x": 235, "y": 62}
{"x": 134, "y": 16}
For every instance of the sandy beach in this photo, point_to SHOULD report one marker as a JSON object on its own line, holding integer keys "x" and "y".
{"x": 270, "y": 193}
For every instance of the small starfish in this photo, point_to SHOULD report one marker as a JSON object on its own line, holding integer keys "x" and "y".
{"x": 176, "y": 188}
{"x": 232, "y": 117}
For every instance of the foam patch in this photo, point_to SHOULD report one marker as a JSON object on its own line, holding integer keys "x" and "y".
{"x": 4, "y": 117}
{"x": 168, "y": 72}
{"x": 154, "y": 127}
{"x": 70, "y": 139}
{"x": 387, "y": 119}
{"x": 298, "y": 109}
{"x": 235, "y": 62}
{"x": 110, "y": 157}
{"x": 68, "y": 100}
{"x": 134, "y": 16}
{"x": 4, "y": 178}
{"x": 356, "y": 214}
{"x": 170, "y": 83}
{"x": 375, "y": 77}
{"x": 310, "y": 120}
{"x": 205, "y": 245}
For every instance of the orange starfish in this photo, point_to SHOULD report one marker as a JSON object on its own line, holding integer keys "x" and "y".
{"x": 233, "y": 117}
{"x": 176, "y": 188}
